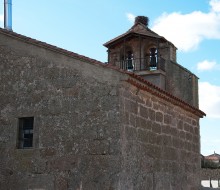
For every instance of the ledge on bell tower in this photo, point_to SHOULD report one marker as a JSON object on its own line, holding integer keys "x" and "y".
{"x": 156, "y": 77}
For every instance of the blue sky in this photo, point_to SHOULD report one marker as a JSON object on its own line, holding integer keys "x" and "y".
{"x": 82, "y": 26}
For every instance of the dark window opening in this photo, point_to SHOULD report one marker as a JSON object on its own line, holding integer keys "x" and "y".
{"x": 25, "y": 138}
{"x": 153, "y": 58}
{"x": 127, "y": 60}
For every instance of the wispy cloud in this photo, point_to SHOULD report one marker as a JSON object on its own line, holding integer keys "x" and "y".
{"x": 206, "y": 65}
{"x": 187, "y": 31}
{"x": 209, "y": 98}
{"x": 131, "y": 17}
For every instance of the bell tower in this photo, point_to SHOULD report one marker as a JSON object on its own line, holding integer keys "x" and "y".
{"x": 142, "y": 51}
{"x": 149, "y": 55}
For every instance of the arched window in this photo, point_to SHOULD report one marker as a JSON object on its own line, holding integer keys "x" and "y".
{"x": 130, "y": 60}
{"x": 153, "y": 58}
{"x": 127, "y": 59}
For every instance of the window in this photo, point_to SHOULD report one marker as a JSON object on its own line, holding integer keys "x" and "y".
{"x": 127, "y": 59}
{"x": 25, "y": 138}
{"x": 153, "y": 58}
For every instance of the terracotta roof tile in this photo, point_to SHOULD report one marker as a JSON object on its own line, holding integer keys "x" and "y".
{"x": 138, "y": 29}
{"x": 213, "y": 156}
{"x": 164, "y": 95}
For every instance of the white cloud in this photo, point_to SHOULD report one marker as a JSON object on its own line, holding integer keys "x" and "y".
{"x": 206, "y": 65}
{"x": 209, "y": 99}
{"x": 186, "y": 31}
{"x": 215, "y": 5}
{"x": 131, "y": 17}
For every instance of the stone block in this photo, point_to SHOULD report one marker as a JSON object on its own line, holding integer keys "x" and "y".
{"x": 167, "y": 119}
{"x": 142, "y": 123}
{"x": 189, "y": 137}
{"x": 182, "y": 135}
{"x": 148, "y": 102}
{"x": 99, "y": 147}
{"x": 167, "y": 140}
{"x": 174, "y": 132}
{"x": 151, "y": 115}
{"x": 61, "y": 183}
{"x": 143, "y": 111}
{"x": 131, "y": 133}
{"x": 166, "y": 129}
{"x": 143, "y": 136}
{"x": 159, "y": 117}
{"x": 156, "y": 128}
{"x": 132, "y": 120}
{"x": 180, "y": 125}
{"x": 152, "y": 137}
{"x": 170, "y": 153}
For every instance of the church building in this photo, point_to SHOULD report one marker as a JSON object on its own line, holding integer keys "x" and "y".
{"x": 69, "y": 122}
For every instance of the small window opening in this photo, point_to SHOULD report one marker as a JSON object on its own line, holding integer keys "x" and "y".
{"x": 25, "y": 138}
{"x": 129, "y": 60}
{"x": 153, "y": 58}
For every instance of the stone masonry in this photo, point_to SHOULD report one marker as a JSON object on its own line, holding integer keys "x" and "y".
{"x": 207, "y": 174}
{"x": 95, "y": 127}
{"x": 75, "y": 106}
{"x": 160, "y": 143}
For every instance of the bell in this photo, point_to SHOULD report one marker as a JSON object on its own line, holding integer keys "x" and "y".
{"x": 130, "y": 60}
{"x": 129, "y": 64}
{"x": 153, "y": 58}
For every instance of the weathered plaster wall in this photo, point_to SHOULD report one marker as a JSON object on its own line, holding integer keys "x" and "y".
{"x": 160, "y": 141}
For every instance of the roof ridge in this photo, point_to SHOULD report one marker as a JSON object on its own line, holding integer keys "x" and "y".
{"x": 49, "y": 46}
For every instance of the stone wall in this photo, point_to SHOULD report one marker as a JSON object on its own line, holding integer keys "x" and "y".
{"x": 93, "y": 129}
{"x": 75, "y": 106}
{"x": 160, "y": 143}
{"x": 182, "y": 83}
{"x": 206, "y": 174}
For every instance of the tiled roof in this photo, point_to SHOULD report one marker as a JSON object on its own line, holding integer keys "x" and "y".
{"x": 138, "y": 29}
{"x": 211, "y": 158}
{"x": 214, "y": 156}
{"x": 142, "y": 84}
{"x": 163, "y": 94}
